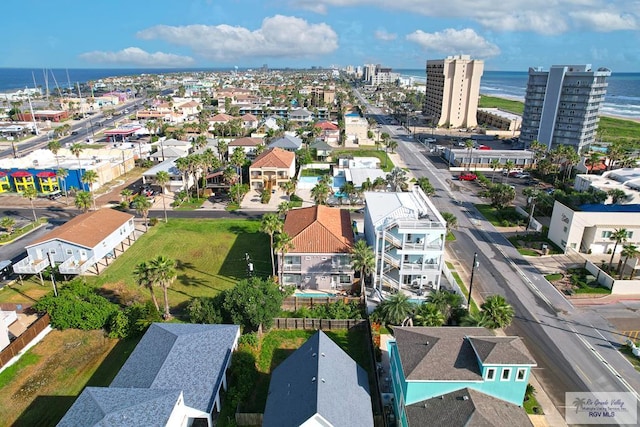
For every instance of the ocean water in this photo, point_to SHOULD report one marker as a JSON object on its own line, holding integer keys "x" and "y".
{"x": 622, "y": 99}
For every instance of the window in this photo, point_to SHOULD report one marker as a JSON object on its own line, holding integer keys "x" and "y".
{"x": 564, "y": 229}
{"x": 606, "y": 234}
{"x": 629, "y": 234}
{"x": 52, "y": 251}
{"x": 506, "y": 374}
{"x": 521, "y": 375}
{"x": 491, "y": 374}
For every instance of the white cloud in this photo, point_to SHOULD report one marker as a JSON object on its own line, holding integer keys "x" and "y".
{"x": 385, "y": 36}
{"x": 278, "y": 37}
{"x": 138, "y": 57}
{"x": 540, "y": 16}
{"x": 451, "y": 41}
{"x": 606, "y": 21}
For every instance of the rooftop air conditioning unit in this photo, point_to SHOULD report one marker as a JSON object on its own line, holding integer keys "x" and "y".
{"x": 35, "y": 163}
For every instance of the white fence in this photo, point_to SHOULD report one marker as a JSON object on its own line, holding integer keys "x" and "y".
{"x": 535, "y": 225}
{"x": 618, "y": 287}
{"x": 452, "y": 281}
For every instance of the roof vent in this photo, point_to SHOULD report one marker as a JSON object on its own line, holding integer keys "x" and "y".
{"x": 313, "y": 355}
{"x": 465, "y": 397}
{"x": 322, "y": 380}
{"x": 427, "y": 343}
{"x": 322, "y": 354}
{"x": 313, "y": 379}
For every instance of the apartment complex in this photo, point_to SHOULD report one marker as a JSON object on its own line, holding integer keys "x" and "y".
{"x": 453, "y": 89}
{"x": 561, "y": 105}
{"x": 376, "y": 75}
{"x": 408, "y": 235}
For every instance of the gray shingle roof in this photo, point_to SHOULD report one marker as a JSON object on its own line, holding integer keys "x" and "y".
{"x": 188, "y": 357}
{"x": 114, "y": 407}
{"x": 438, "y": 353}
{"x": 502, "y": 350}
{"x": 476, "y": 410}
{"x": 318, "y": 378}
{"x": 287, "y": 142}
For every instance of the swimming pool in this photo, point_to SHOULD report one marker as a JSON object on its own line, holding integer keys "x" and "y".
{"x": 338, "y": 181}
{"x": 313, "y": 295}
{"x": 309, "y": 179}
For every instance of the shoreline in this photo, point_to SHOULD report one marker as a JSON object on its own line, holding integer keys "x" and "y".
{"x": 520, "y": 99}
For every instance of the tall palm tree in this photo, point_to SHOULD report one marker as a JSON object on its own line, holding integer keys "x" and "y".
{"x": 468, "y": 144}
{"x": 283, "y": 245}
{"x": 494, "y": 164}
{"x": 271, "y": 224}
{"x": 162, "y": 179}
{"x": 31, "y": 194}
{"x": 76, "y": 149}
{"x": 451, "y": 220}
{"x": 143, "y": 275}
{"x": 428, "y": 314}
{"x": 364, "y": 261}
{"x": 508, "y": 166}
{"x": 320, "y": 193}
{"x": 142, "y": 206}
{"x": 284, "y": 208}
{"x": 163, "y": 272}
{"x": 619, "y": 235}
{"x": 62, "y": 175}
{"x": 498, "y": 311}
{"x": 628, "y": 251}
{"x": 83, "y": 200}
{"x": 89, "y": 178}
{"x": 54, "y": 146}
{"x": 592, "y": 160}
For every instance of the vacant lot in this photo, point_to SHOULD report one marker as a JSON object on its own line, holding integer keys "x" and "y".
{"x": 210, "y": 257}
{"x": 385, "y": 162}
{"x": 43, "y": 385}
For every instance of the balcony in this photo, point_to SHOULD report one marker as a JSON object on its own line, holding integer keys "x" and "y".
{"x": 74, "y": 266}
{"x": 392, "y": 260}
{"x": 388, "y": 281}
{"x": 292, "y": 267}
{"x": 29, "y": 266}
{"x": 341, "y": 267}
{"x": 393, "y": 240}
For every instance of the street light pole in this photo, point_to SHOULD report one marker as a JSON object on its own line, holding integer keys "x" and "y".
{"x": 473, "y": 269}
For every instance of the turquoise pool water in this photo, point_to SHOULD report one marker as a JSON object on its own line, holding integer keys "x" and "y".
{"x": 309, "y": 179}
{"x": 314, "y": 295}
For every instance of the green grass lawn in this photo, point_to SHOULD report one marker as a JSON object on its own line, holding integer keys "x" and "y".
{"x": 474, "y": 307}
{"x": 528, "y": 252}
{"x": 315, "y": 172}
{"x": 516, "y": 107}
{"x": 191, "y": 204}
{"x": 626, "y": 350}
{"x": 554, "y": 276}
{"x": 385, "y": 162}
{"x": 210, "y": 257}
{"x": 19, "y": 232}
{"x": 531, "y": 403}
{"x": 592, "y": 290}
{"x": 277, "y": 345}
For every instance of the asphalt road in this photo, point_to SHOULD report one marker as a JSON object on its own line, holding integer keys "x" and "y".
{"x": 573, "y": 354}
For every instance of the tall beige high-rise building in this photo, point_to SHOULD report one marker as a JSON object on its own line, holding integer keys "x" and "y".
{"x": 453, "y": 89}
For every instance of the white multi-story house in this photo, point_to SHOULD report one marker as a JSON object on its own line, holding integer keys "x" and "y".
{"x": 407, "y": 234}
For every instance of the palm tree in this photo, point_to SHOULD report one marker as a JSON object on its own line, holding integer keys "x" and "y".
{"x": 76, "y": 149}
{"x": 163, "y": 273}
{"x": 320, "y": 193}
{"x": 83, "y": 200}
{"x": 31, "y": 194}
{"x": 54, "y": 146}
{"x": 619, "y": 235}
{"x": 451, "y": 220}
{"x": 282, "y": 244}
{"x": 364, "y": 260}
{"x": 479, "y": 319}
{"x": 468, "y": 144}
{"x": 397, "y": 179}
{"x": 162, "y": 179}
{"x": 628, "y": 251}
{"x": 392, "y": 145}
{"x": 592, "y": 160}
{"x": 62, "y": 174}
{"x": 426, "y": 186}
{"x": 271, "y": 224}
{"x": 498, "y": 311}
{"x": 395, "y": 309}
{"x": 494, "y": 164}
{"x": 283, "y": 208}
{"x": 441, "y": 300}
{"x": 143, "y": 275}
{"x": 142, "y": 206}
{"x": 349, "y": 190}
{"x": 8, "y": 224}
{"x": 616, "y": 195}
{"x": 428, "y": 314}
{"x": 89, "y": 178}
{"x": 508, "y": 166}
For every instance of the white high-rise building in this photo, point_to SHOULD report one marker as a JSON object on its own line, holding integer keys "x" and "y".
{"x": 453, "y": 89}
{"x": 561, "y": 105}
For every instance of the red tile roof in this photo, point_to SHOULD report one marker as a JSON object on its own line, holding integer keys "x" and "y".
{"x": 249, "y": 118}
{"x": 319, "y": 229}
{"x": 274, "y": 158}
{"x": 221, "y": 118}
{"x": 88, "y": 229}
{"x": 326, "y": 126}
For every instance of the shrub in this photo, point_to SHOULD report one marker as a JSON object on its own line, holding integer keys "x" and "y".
{"x": 118, "y": 326}
{"x": 77, "y": 306}
{"x": 265, "y": 197}
{"x": 250, "y": 339}
{"x": 205, "y": 310}
{"x": 153, "y": 221}
{"x": 295, "y": 198}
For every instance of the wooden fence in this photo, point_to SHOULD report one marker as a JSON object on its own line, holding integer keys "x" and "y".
{"x": 312, "y": 324}
{"x": 294, "y": 303}
{"x": 24, "y": 339}
{"x": 248, "y": 419}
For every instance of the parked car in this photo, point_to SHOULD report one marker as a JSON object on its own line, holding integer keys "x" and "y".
{"x": 523, "y": 175}
{"x": 54, "y": 195}
{"x": 484, "y": 147}
{"x": 467, "y": 176}
{"x": 512, "y": 171}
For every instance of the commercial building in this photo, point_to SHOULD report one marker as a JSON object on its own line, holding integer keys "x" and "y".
{"x": 453, "y": 89}
{"x": 589, "y": 228}
{"x": 561, "y": 105}
{"x": 408, "y": 235}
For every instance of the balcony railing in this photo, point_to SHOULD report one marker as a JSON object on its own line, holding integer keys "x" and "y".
{"x": 292, "y": 267}
{"x": 74, "y": 266}
{"x": 392, "y": 260}
{"x": 390, "y": 282}
{"x": 418, "y": 224}
{"x": 29, "y": 266}
{"x": 393, "y": 240}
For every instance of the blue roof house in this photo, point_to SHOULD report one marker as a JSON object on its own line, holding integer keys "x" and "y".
{"x": 429, "y": 364}
{"x": 319, "y": 384}
{"x": 173, "y": 377}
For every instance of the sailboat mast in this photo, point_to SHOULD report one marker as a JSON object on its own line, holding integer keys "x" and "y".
{"x": 80, "y": 99}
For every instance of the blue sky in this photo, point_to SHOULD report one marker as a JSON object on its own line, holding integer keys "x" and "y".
{"x": 301, "y": 33}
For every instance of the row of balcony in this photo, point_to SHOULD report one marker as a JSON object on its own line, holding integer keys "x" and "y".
{"x": 69, "y": 266}
{"x": 318, "y": 267}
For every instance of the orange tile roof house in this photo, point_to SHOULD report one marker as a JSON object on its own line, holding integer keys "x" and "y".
{"x": 272, "y": 168}
{"x": 80, "y": 243}
{"x": 322, "y": 239}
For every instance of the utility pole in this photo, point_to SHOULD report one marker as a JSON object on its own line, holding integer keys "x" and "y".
{"x": 473, "y": 269}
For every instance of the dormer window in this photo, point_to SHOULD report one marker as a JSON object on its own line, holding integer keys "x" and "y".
{"x": 521, "y": 375}
{"x": 506, "y": 374}
{"x": 491, "y": 374}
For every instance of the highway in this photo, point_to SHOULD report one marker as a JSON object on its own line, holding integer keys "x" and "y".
{"x": 571, "y": 353}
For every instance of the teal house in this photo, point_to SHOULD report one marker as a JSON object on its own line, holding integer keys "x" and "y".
{"x": 459, "y": 373}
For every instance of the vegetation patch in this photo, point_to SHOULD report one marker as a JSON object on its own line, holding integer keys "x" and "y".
{"x": 516, "y": 107}
{"x": 626, "y": 350}
{"x": 315, "y": 172}
{"x": 554, "y": 276}
{"x": 191, "y": 204}
{"x": 506, "y": 217}
{"x": 385, "y": 162}
{"x": 19, "y": 232}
